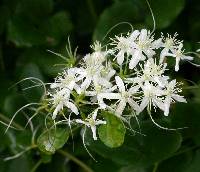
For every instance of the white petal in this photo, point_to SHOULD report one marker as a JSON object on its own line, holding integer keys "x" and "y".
{"x": 134, "y": 105}
{"x": 90, "y": 93}
{"x": 179, "y": 98}
{"x": 144, "y": 103}
{"x": 104, "y": 83}
{"x": 81, "y": 121}
{"x": 157, "y": 43}
{"x": 143, "y": 35}
{"x": 163, "y": 54}
{"x": 57, "y": 109}
{"x": 71, "y": 85}
{"x": 86, "y": 83}
{"x": 159, "y": 81}
{"x": 120, "y": 107}
{"x": 187, "y": 57}
{"x": 120, "y": 57}
{"x": 177, "y": 64}
{"x": 110, "y": 74}
{"x": 94, "y": 115}
{"x": 120, "y": 84}
{"x": 93, "y": 128}
{"x": 110, "y": 96}
{"x": 77, "y": 88}
{"x": 72, "y": 107}
{"x": 159, "y": 103}
{"x": 134, "y": 89}
{"x": 99, "y": 122}
{"x": 136, "y": 57}
{"x": 54, "y": 85}
{"x": 167, "y": 105}
{"x": 150, "y": 53}
{"x": 134, "y": 35}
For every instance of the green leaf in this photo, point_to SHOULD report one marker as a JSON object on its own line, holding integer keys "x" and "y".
{"x": 140, "y": 150}
{"x": 177, "y": 163}
{"x": 35, "y": 9}
{"x": 12, "y": 103}
{"x": 58, "y": 28}
{"x": 46, "y": 61}
{"x": 49, "y": 141}
{"x": 194, "y": 165}
{"x": 22, "y": 164}
{"x": 118, "y": 12}
{"x": 112, "y": 134}
{"x": 45, "y": 158}
{"x": 4, "y": 16}
{"x": 37, "y": 27}
{"x": 187, "y": 115}
{"x": 165, "y": 12}
{"x": 23, "y": 33}
{"x": 33, "y": 94}
{"x": 131, "y": 168}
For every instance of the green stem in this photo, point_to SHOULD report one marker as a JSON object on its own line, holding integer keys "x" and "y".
{"x": 155, "y": 167}
{"x": 36, "y": 166}
{"x": 74, "y": 159}
{"x": 14, "y": 124}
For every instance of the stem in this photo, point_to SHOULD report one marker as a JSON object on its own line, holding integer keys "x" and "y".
{"x": 74, "y": 159}
{"x": 36, "y": 166}
{"x": 155, "y": 167}
{"x": 14, "y": 124}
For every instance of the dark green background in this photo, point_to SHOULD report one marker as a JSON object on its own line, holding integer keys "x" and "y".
{"x": 29, "y": 27}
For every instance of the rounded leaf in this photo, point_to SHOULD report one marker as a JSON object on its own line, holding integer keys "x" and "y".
{"x": 49, "y": 141}
{"x": 112, "y": 134}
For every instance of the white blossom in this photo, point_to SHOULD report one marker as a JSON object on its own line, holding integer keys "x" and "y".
{"x": 59, "y": 101}
{"x": 169, "y": 43}
{"x": 178, "y": 53}
{"x": 92, "y": 122}
{"x": 103, "y": 80}
{"x": 67, "y": 80}
{"x": 143, "y": 45}
{"x": 122, "y": 96}
{"x": 171, "y": 95}
{"x": 151, "y": 96}
{"x": 122, "y": 47}
{"x": 150, "y": 72}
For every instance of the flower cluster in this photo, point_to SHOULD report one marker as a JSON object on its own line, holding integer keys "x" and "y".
{"x": 128, "y": 73}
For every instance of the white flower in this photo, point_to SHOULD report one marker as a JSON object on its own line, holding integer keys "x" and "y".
{"x": 178, "y": 53}
{"x": 97, "y": 91}
{"x": 108, "y": 72}
{"x": 169, "y": 43}
{"x": 92, "y": 122}
{"x": 142, "y": 45}
{"x": 66, "y": 81}
{"x": 97, "y": 74}
{"x": 92, "y": 69}
{"x": 150, "y": 72}
{"x": 97, "y": 57}
{"x": 59, "y": 101}
{"x": 123, "y": 45}
{"x": 151, "y": 97}
{"x": 171, "y": 95}
{"x": 123, "y": 97}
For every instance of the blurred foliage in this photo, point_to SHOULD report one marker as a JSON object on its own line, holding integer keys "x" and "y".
{"x": 30, "y": 27}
